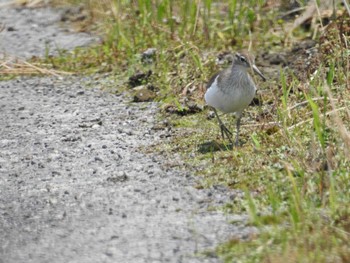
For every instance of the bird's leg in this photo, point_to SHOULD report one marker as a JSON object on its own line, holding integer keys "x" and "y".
{"x": 224, "y": 130}
{"x": 238, "y": 125}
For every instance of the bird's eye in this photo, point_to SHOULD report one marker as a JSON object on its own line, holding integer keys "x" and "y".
{"x": 242, "y": 59}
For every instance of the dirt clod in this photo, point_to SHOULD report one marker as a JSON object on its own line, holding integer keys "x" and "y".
{"x": 139, "y": 78}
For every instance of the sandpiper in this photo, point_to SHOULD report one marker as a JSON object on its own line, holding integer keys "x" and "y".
{"x": 232, "y": 90}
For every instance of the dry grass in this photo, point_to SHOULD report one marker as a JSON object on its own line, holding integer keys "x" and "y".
{"x": 15, "y": 67}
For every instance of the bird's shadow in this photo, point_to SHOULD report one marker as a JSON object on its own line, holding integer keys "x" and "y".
{"x": 214, "y": 146}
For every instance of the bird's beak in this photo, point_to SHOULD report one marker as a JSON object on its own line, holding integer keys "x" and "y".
{"x": 257, "y": 71}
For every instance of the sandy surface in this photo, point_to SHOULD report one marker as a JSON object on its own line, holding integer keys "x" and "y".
{"x": 74, "y": 184}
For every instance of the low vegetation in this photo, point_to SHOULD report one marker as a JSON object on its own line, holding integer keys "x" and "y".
{"x": 293, "y": 167}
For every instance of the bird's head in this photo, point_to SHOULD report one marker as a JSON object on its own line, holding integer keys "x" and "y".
{"x": 247, "y": 61}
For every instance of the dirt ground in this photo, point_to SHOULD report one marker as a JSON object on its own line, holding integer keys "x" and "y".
{"x": 74, "y": 184}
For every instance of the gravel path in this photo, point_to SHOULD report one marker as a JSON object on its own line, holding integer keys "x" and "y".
{"x": 74, "y": 185}
{"x": 34, "y": 32}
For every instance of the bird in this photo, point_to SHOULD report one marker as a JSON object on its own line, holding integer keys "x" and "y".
{"x": 232, "y": 90}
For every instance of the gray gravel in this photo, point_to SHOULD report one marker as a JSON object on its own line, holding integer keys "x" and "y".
{"x": 35, "y": 32}
{"x": 74, "y": 184}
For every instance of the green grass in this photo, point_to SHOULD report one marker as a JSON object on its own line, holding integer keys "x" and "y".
{"x": 294, "y": 164}
{"x": 187, "y": 44}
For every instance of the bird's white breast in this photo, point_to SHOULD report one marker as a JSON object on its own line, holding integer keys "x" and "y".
{"x": 231, "y": 98}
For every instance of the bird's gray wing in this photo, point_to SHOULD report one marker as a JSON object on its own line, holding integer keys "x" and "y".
{"x": 212, "y": 79}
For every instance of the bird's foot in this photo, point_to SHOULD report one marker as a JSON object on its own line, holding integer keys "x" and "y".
{"x": 226, "y": 132}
